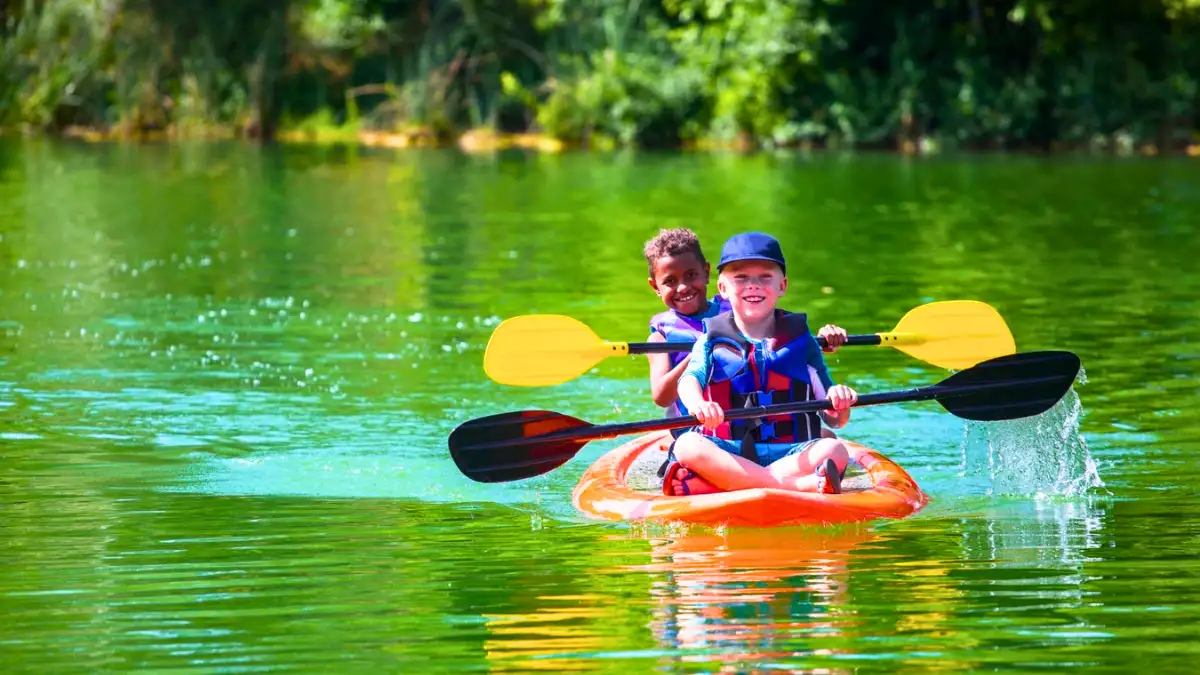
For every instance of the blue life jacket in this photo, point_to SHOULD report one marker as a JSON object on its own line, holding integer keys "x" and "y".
{"x": 746, "y": 374}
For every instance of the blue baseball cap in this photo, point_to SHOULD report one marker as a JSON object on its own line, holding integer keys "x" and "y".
{"x": 752, "y": 246}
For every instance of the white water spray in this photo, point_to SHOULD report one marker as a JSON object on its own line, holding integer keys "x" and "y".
{"x": 1042, "y": 456}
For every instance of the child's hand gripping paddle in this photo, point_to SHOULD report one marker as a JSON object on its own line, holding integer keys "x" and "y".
{"x": 517, "y": 445}
{"x": 538, "y": 350}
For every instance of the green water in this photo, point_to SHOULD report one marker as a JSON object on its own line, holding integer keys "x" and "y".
{"x": 227, "y": 377}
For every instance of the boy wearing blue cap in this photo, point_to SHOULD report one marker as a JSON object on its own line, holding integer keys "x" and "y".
{"x": 757, "y": 355}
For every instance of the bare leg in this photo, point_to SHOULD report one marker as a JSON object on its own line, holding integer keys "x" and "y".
{"x": 798, "y": 469}
{"x": 731, "y": 472}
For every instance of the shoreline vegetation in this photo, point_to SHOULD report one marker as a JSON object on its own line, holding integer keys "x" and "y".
{"x": 487, "y": 140}
{"x": 558, "y": 75}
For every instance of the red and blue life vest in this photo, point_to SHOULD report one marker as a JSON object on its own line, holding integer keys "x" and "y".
{"x": 746, "y": 374}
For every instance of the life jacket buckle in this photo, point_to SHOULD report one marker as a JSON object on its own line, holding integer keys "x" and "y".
{"x": 766, "y": 431}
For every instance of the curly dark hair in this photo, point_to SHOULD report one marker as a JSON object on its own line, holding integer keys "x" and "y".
{"x": 671, "y": 243}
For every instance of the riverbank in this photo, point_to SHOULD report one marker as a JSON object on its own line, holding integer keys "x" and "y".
{"x": 485, "y": 140}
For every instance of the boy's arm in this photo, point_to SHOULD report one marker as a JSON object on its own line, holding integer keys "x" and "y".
{"x": 835, "y": 420}
{"x": 816, "y": 361}
{"x": 664, "y": 378}
{"x": 695, "y": 375}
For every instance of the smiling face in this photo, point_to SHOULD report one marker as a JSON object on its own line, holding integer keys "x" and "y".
{"x": 752, "y": 287}
{"x": 682, "y": 282}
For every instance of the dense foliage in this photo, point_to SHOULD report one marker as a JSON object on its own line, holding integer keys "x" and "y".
{"x": 975, "y": 73}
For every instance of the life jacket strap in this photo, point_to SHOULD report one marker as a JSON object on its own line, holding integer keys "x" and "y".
{"x": 749, "y": 451}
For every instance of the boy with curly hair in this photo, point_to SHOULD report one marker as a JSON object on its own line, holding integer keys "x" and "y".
{"x": 679, "y": 274}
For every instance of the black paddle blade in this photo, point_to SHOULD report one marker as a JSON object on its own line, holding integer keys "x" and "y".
{"x": 1010, "y": 387}
{"x": 489, "y": 449}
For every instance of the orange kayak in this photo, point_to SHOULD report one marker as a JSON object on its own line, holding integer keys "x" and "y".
{"x": 603, "y": 492}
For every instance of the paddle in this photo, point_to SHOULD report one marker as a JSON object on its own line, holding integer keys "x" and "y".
{"x": 539, "y": 350}
{"x": 516, "y": 445}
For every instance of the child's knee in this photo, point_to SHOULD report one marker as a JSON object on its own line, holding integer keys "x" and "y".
{"x": 689, "y": 446}
{"x": 829, "y": 448}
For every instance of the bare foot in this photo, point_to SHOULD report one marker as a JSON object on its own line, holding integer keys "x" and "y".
{"x": 681, "y": 481}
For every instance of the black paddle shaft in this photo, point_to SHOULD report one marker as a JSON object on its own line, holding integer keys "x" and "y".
{"x": 616, "y": 430}
{"x": 669, "y": 347}
{"x": 517, "y": 445}
{"x": 1008, "y": 387}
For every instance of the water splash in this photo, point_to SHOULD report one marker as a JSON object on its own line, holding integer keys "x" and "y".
{"x": 1039, "y": 456}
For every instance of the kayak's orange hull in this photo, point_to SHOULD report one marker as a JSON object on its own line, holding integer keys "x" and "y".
{"x": 602, "y": 493}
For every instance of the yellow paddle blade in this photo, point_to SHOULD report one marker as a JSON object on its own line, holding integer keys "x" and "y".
{"x": 955, "y": 334}
{"x": 538, "y": 350}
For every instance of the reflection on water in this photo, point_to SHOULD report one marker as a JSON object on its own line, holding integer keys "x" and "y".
{"x": 993, "y": 588}
{"x": 227, "y": 375}
{"x": 546, "y": 639}
{"x": 753, "y": 598}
